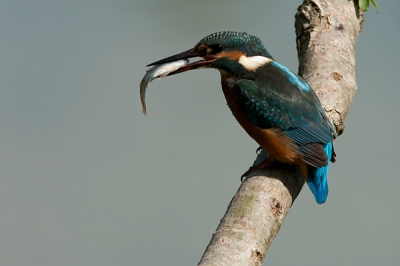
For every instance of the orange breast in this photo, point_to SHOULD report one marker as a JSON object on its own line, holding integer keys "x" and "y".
{"x": 278, "y": 146}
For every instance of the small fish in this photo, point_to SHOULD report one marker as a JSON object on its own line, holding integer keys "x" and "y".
{"x": 159, "y": 71}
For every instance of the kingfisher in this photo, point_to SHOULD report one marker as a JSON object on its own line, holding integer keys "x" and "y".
{"x": 276, "y": 107}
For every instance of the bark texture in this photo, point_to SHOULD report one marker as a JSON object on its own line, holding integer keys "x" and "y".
{"x": 326, "y": 39}
{"x": 254, "y": 217}
{"x": 327, "y": 32}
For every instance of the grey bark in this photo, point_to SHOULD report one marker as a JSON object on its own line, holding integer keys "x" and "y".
{"x": 326, "y": 39}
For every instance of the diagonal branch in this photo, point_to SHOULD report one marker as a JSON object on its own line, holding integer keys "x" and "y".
{"x": 326, "y": 39}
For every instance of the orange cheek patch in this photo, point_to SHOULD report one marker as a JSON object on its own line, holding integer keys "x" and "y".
{"x": 232, "y": 55}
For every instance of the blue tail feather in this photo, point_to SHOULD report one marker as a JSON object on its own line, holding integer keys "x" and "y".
{"x": 317, "y": 177}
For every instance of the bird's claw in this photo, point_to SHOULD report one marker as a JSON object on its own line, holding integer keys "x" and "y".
{"x": 260, "y": 165}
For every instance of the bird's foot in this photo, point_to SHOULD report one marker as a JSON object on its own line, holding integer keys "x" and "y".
{"x": 264, "y": 164}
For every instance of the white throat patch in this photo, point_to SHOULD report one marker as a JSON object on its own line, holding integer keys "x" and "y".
{"x": 252, "y": 63}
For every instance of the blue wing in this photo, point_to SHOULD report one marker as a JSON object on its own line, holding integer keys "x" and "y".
{"x": 278, "y": 98}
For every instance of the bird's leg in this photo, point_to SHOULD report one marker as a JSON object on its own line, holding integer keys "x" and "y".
{"x": 261, "y": 162}
{"x": 259, "y": 149}
{"x": 264, "y": 164}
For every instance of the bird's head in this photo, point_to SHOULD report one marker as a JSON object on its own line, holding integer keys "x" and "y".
{"x": 234, "y": 53}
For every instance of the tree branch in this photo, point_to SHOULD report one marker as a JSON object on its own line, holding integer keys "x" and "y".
{"x": 326, "y": 38}
{"x": 327, "y": 32}
{"x": 254, "y": 217}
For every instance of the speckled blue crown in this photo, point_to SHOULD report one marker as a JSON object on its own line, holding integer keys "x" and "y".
{"x": 236, "y": 40}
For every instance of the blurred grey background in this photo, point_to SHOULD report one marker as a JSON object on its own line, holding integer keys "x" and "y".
{"x": 87, "y": 179}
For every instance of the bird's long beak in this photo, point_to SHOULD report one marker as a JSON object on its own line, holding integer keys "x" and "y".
{"x": 207, "y": 60}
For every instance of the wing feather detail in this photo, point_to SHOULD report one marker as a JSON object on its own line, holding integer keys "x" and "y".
{"x": 292, "y": 107}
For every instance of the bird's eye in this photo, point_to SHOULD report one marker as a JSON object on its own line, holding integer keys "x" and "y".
{"x": 215, "y": 48}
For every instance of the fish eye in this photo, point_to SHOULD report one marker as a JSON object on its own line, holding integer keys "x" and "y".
{"x": 215, "y": 48}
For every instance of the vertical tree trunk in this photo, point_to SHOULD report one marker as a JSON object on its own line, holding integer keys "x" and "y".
{"x": 326, "y": 38}
{"x": 327, "y": 32}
